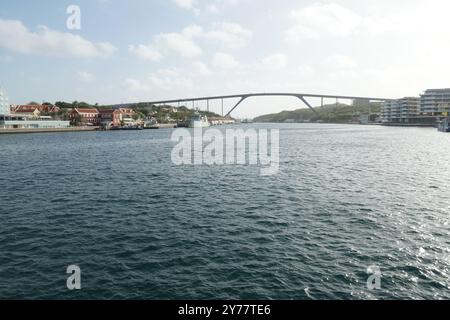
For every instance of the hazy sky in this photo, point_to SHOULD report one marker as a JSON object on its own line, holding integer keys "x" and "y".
{"x": 143, "y": 50}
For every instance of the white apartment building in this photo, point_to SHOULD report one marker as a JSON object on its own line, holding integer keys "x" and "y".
{"x": 435, "y": 102}
{"x": 403, "y": 110}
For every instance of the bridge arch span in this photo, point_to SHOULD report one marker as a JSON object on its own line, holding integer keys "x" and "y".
{"x": 242, "y": 97}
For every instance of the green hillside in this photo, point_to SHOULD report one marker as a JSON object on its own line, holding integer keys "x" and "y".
{"x": 340, "y": 113}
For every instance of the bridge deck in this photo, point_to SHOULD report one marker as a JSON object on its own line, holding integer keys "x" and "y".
{"x": 245, "y": 96}
{"x": 248, "y": 95}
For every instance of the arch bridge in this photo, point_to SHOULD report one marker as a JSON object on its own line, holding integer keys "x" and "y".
{"x": 242, "y": 97}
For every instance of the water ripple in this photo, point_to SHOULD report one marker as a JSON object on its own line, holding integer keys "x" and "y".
{"x": 346, "y": 198}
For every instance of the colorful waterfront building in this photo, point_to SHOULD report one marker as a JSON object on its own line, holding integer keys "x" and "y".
{"x": 34, "y": 111}
{"x": 12, "y": 120}
{"x": 110, "y": 117}
{"x": 85, "y": 117}
{"x": 102, "y": 117}
{"x": 127, "y": 116}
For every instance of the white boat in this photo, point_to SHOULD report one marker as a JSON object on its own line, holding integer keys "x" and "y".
{"x": 199, "y": 121}
{"x": 444, "y": 125}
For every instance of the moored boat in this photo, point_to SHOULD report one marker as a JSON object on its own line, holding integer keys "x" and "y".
{"x": 199, "y": 121}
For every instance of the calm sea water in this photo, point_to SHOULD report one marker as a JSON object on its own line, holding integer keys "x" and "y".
{"x": 346, "y": 198}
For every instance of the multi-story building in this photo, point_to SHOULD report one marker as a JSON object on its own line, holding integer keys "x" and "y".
{"x": 34, "y": 111}
{"x": 110, "y": 117}
{"x": 86, "y": 117}
{"x": 21, "y": 122}
{"x": 390, "y": 111}
{"x": 127, "y": 116}
{"x": 404, "y": 110}
{"x": 435, "y": 102}
{"x": 409, "y": 109}
{"x": 27, "y": 119}
{"x": 104, "y": 117}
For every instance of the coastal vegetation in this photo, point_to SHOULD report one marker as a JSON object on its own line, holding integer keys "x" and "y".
{"x": 335, "y": 113}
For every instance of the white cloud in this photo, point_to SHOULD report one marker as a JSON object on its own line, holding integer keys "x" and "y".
{"x": 305, "y": 70}
{"x": 230, "y": 35}
{"x": 339, "y": 62}
{"x": 224, "y": 61}
{"x": 276, "y": 61}
{"x": 200, "y": 68}
{"x": 179, "y": 43}
{"x": 16, "y": 37}
{"x": 144, "y": 52}
{"x": 317, "y": 21}
{"x": 184, "y": 43}
{"x": 210, "y": 6}
{"x": 135, "y": 85}
{"x": 85, "y": 76}
{"x": 193, "y": 31}
{"x": 184, "y": 4}
{"x": 169, "y": 80}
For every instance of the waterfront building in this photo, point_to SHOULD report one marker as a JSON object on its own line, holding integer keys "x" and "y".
{"x": 28, "y": 113}
{"x": 35, "y": 110}
{"x": 127, "y": 117}
{"x": 110, "y": 117}
{"x": 102, "y": 117}
{"x": 29, "y": 120}
{"x": 21, "y": 122}
{"x": 435, "y": 102}
{"x": 85, "y": 117}
{"x": 405, "y": 110}
{"x": 409, "y": 109}
{"x": 390, "y": 111}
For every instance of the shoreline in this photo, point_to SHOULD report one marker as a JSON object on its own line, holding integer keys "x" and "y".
{"x": 405, "y": 125}
{"x": 169, "y": 126}
{"x": 48, "y": 130}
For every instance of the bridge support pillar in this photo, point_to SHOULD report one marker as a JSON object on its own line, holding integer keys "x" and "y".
{"x": 307, "y": 103}
{"x": 237, "y": 104}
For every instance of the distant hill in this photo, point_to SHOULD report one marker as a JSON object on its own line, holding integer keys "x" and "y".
{"x": 340, "y": 113}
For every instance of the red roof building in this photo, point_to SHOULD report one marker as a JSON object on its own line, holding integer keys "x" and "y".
{"x": 89, "y": 117}
{"x": 35, "y": 109}
{"x": 110, "y": 117}
{"x": 104, "y": 117}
